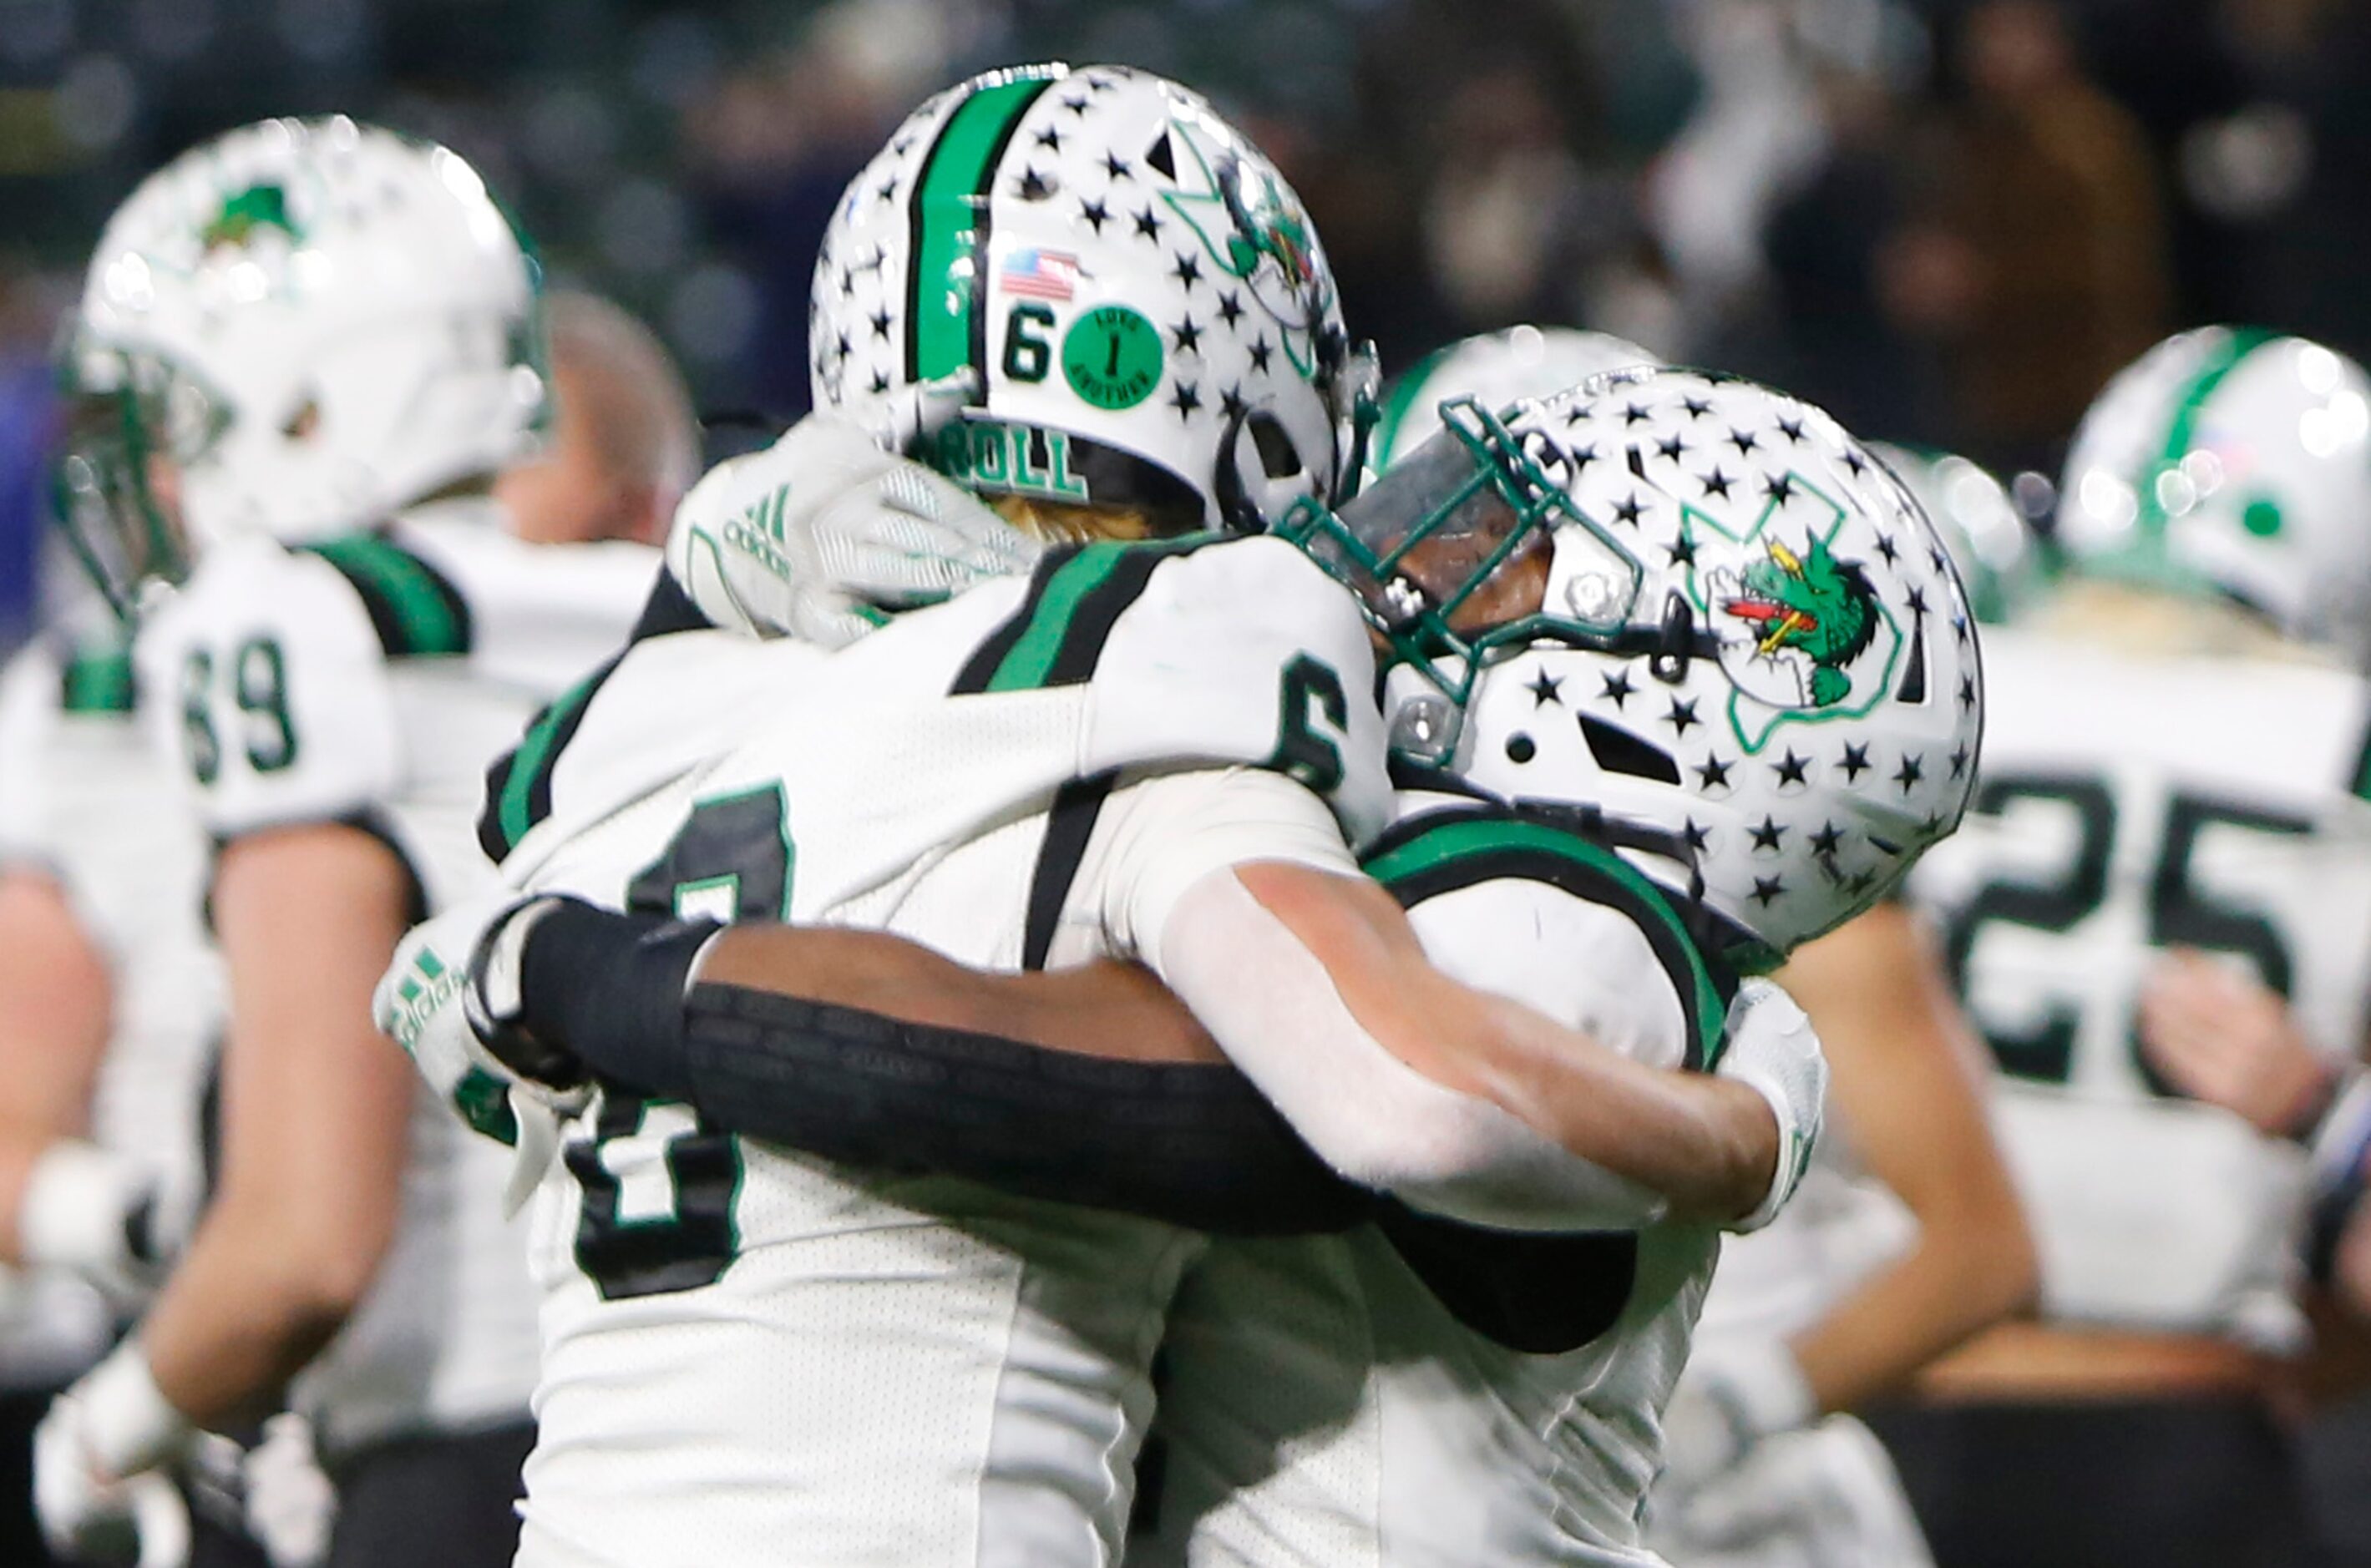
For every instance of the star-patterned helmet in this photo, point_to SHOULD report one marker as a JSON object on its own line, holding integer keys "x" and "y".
{"x": 2238, "y": 463}
{"x": 1139, "y": 297}
{"x": 314, "y": 323}
{"x": 1998, "y": 559}
{"x": 1494, "y": 369}
{"x": 1693, "y": 604}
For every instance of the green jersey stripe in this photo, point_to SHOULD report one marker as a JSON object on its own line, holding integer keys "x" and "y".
{"x": 518, "y": 786}
{"x": 948, "y": 214}
{"x": 416, "y": 611}
{"x": 1441, "y": 851}
{"x": 1075, "y": 597}
{"x": 1032, "y": 655}
{"x": 96, "y": 683}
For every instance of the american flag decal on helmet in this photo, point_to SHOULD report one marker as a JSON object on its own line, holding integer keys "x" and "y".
{"x": 1040, "y": 274}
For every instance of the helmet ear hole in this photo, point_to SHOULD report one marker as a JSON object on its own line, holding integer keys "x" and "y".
{"x": 1617, "y": 750}
{"x": 1280, "y": 458}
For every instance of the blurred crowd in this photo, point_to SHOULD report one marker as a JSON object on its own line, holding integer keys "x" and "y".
{"x": 1947, "y": 220}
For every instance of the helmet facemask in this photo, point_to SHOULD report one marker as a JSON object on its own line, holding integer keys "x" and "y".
{"x": 134, "y": 424}
{"x": 1471, "y": 548}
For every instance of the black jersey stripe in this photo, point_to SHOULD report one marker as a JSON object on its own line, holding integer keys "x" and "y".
{"x": 1076, "y": 596}
{"x": 1069, "y": 826}
{"x": 947, "y": 225}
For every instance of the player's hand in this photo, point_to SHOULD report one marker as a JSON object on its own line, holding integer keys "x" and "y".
{"x": 2225, "y": 1038}
{"x": 98, "y": 1487}
{"x": 818, "y": 535}
{"x": 1772, "y": 1048}
{"x": 91, "y": 1212}
{"x": 1730, "y": 1397}
{"x": 451, "y": 999}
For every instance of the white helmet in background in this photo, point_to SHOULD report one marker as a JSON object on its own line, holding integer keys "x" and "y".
{"x": 1142, "y": 309}
{"x": 316, "y": 323}
{"x": 1496, "y": 370}
{"x": 1699, "y": 605}
{"x": 1999, "y": 560}
{"x": 2234, "y": 461}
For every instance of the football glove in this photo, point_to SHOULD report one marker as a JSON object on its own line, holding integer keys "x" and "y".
{"x": 1772, "y": 1050}
{"x": 451, "y": 1000}
{"x": 822, "y": 534}
{"x": 98, "y": 1486}
{"x": 92, "y": 1211}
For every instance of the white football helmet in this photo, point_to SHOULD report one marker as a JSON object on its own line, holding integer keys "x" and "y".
{"x": 1698, "y": 605}
{"x": 1999, "y": 561}
{"x": 2236, "y": 462}
{"x": 1133, "y": 294}
{"x": 314, "y": 323}
{"x": 1494, "y": 369}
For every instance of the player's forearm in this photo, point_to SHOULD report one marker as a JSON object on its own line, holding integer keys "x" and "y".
{"x": 239, "y": 1318}
{"x": 1117, "y": 1011}
{"x": 1929, "y": 1302}
{"x": 316, "y": 1110}
{"x": 54, "y": 1011}
{"x": 1095, "y": 1087}
{"x": 1460, "y": 1103}
{"x": 1708, "y": 1145}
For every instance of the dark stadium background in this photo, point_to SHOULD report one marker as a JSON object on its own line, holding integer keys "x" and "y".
{"x": 2013, "y": 197}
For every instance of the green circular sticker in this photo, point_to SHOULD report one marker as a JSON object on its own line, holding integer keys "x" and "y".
{"x": 1111, "y": 357}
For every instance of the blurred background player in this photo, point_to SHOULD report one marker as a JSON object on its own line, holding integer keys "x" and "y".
{"x": 105, "y": 1100}
{"x": 325, "y": 344}
{"x": 114, "y": 1008}
{"x": 624, "y": 446}
{"x": 2170, "y": 779}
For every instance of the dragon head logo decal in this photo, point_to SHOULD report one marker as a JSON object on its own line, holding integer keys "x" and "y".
{"x": 1811, "y": 604}
{"x": 1804, "y": 634}
{"x": 1250, "y": 224}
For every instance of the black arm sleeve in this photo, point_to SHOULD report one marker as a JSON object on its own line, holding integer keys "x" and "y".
{"x": 1190, "y": 1145}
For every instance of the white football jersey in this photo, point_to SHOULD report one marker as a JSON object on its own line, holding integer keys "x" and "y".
{"x": 370, "y": 680}
{"x": 85, "y": 798}
{"x": 757, "y": 1357}
{"x": 2127, "y": 805}
{"x": 1422, "y": 1394}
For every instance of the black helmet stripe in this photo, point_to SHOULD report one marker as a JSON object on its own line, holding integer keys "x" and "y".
{"x": 948, "y": 214}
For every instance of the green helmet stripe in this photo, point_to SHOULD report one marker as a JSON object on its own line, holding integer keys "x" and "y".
{"x": 2181, "y": 432}
{"x": 949, "y": 213}
{"x": 1397, "y": 406}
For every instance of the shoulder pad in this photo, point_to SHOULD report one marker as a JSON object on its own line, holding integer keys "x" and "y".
{"x": 1200, "y": 652}
{"x": 537, "y": 616}
{"x": 415, "y": 609}
{"x": 1436, "y": 853}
